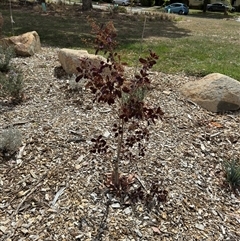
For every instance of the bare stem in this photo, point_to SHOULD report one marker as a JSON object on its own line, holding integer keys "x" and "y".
{"x": 117, "y": 160}
{"x": 141, "y": 44}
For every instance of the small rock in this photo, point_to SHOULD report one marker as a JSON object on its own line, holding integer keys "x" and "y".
{"x": 24, "y": 230}
{"x": 164, "y": 215}
{"x": 94, "y": 196}
{"x": 106, "y": 134}
{"x": 3, "y": 229}
{"x": 115, "y": 205}
{"x": 127, "y": 210}
{"x": 199, "y": 226}
{"x": 138, "y": 233}
{"x": 77, "y": 166}
{"x": 214, "y": 212}
{"x": 140, "y": 209}
{"x": 166, "y": 92}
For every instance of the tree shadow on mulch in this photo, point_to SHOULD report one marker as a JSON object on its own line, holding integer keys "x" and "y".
{"x": 68, "y": 26}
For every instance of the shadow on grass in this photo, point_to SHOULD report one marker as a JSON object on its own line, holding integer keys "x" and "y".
{"x": 210, "y": 15}
{"x": 68, "y": 30}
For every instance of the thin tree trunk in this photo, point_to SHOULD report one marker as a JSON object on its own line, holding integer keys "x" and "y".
{"x": 205, "y": 2}
{"x": 116, "y": 162}
{"x": 86, "y": 5}
{"x": 225, "y": 11}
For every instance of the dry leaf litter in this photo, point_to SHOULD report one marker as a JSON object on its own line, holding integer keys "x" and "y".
{"x": 53, "y": 189}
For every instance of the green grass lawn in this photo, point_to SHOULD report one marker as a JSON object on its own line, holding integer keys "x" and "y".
{"x": 197, "y": 44}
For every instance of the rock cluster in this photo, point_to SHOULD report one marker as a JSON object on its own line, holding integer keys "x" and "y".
{"x": 215, "y": 92}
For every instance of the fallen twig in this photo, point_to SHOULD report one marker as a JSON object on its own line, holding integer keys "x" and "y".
{"x": 103, "y": 223}
{"x": 141, "y": 183}
{"x": 58, "y": 194}
{"x": 15, "y": 124}
{"x": 20, "y": 154}
{"x": 76, "y": 140}
{"x": 33, "y": 189}
{"x": 75, "y": 132}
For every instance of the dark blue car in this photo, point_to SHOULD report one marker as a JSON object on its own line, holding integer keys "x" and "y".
{"x": 179, "y": 8}
{"x": 220, "y": 7}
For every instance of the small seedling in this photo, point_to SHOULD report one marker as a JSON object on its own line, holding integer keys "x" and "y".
{"x": 232, "y": 171}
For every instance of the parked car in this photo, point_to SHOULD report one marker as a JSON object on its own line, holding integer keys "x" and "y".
{"x": 179, "y": 8}
{"x": 29, "y": 2}
{"x": 220, "y": 7}
{"x": 121, "y": 2}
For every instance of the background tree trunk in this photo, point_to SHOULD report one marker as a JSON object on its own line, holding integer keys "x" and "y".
{"x": 205, "y": 2}
{"x": 86, "y": 5}
{"x": 1, "y": 24}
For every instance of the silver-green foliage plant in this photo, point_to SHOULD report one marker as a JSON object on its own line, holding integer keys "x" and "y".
{"x": 5, "y": 58}
{"x": 232, "y": 170}
{"x": 10, "y": 141}
{"x": 73, "y": 85}
{"x": 11, "y": 84}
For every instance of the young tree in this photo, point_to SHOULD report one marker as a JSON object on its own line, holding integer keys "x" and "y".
{"x": 109, "y": 84}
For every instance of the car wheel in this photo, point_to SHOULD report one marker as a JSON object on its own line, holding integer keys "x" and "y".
{"x": 123, "y": 4}
{"x": 180, "y": 12}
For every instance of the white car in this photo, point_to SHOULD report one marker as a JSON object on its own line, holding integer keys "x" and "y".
{"x": 121, "y": 2}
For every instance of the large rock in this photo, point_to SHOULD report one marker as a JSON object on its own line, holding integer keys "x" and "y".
{"x": 215, "y": 92}
{"x": 70, "y": 59}
{"x": 24, "y": 45}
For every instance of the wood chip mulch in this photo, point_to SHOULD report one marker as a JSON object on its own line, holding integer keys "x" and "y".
{"x": 53, "y": 188}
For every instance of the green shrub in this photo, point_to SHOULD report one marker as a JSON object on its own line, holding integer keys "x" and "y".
{"x": 5, "y": 57}
{"x": 232, "y": 171}
{"x": 121, "y": 9}
{"x": 11, "y": 84}
{"x": 10, "y": 141}
{"x": 147, "y": 3}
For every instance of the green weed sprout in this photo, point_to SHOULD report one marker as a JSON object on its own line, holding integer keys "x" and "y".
{"x": 232, "y": 171}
